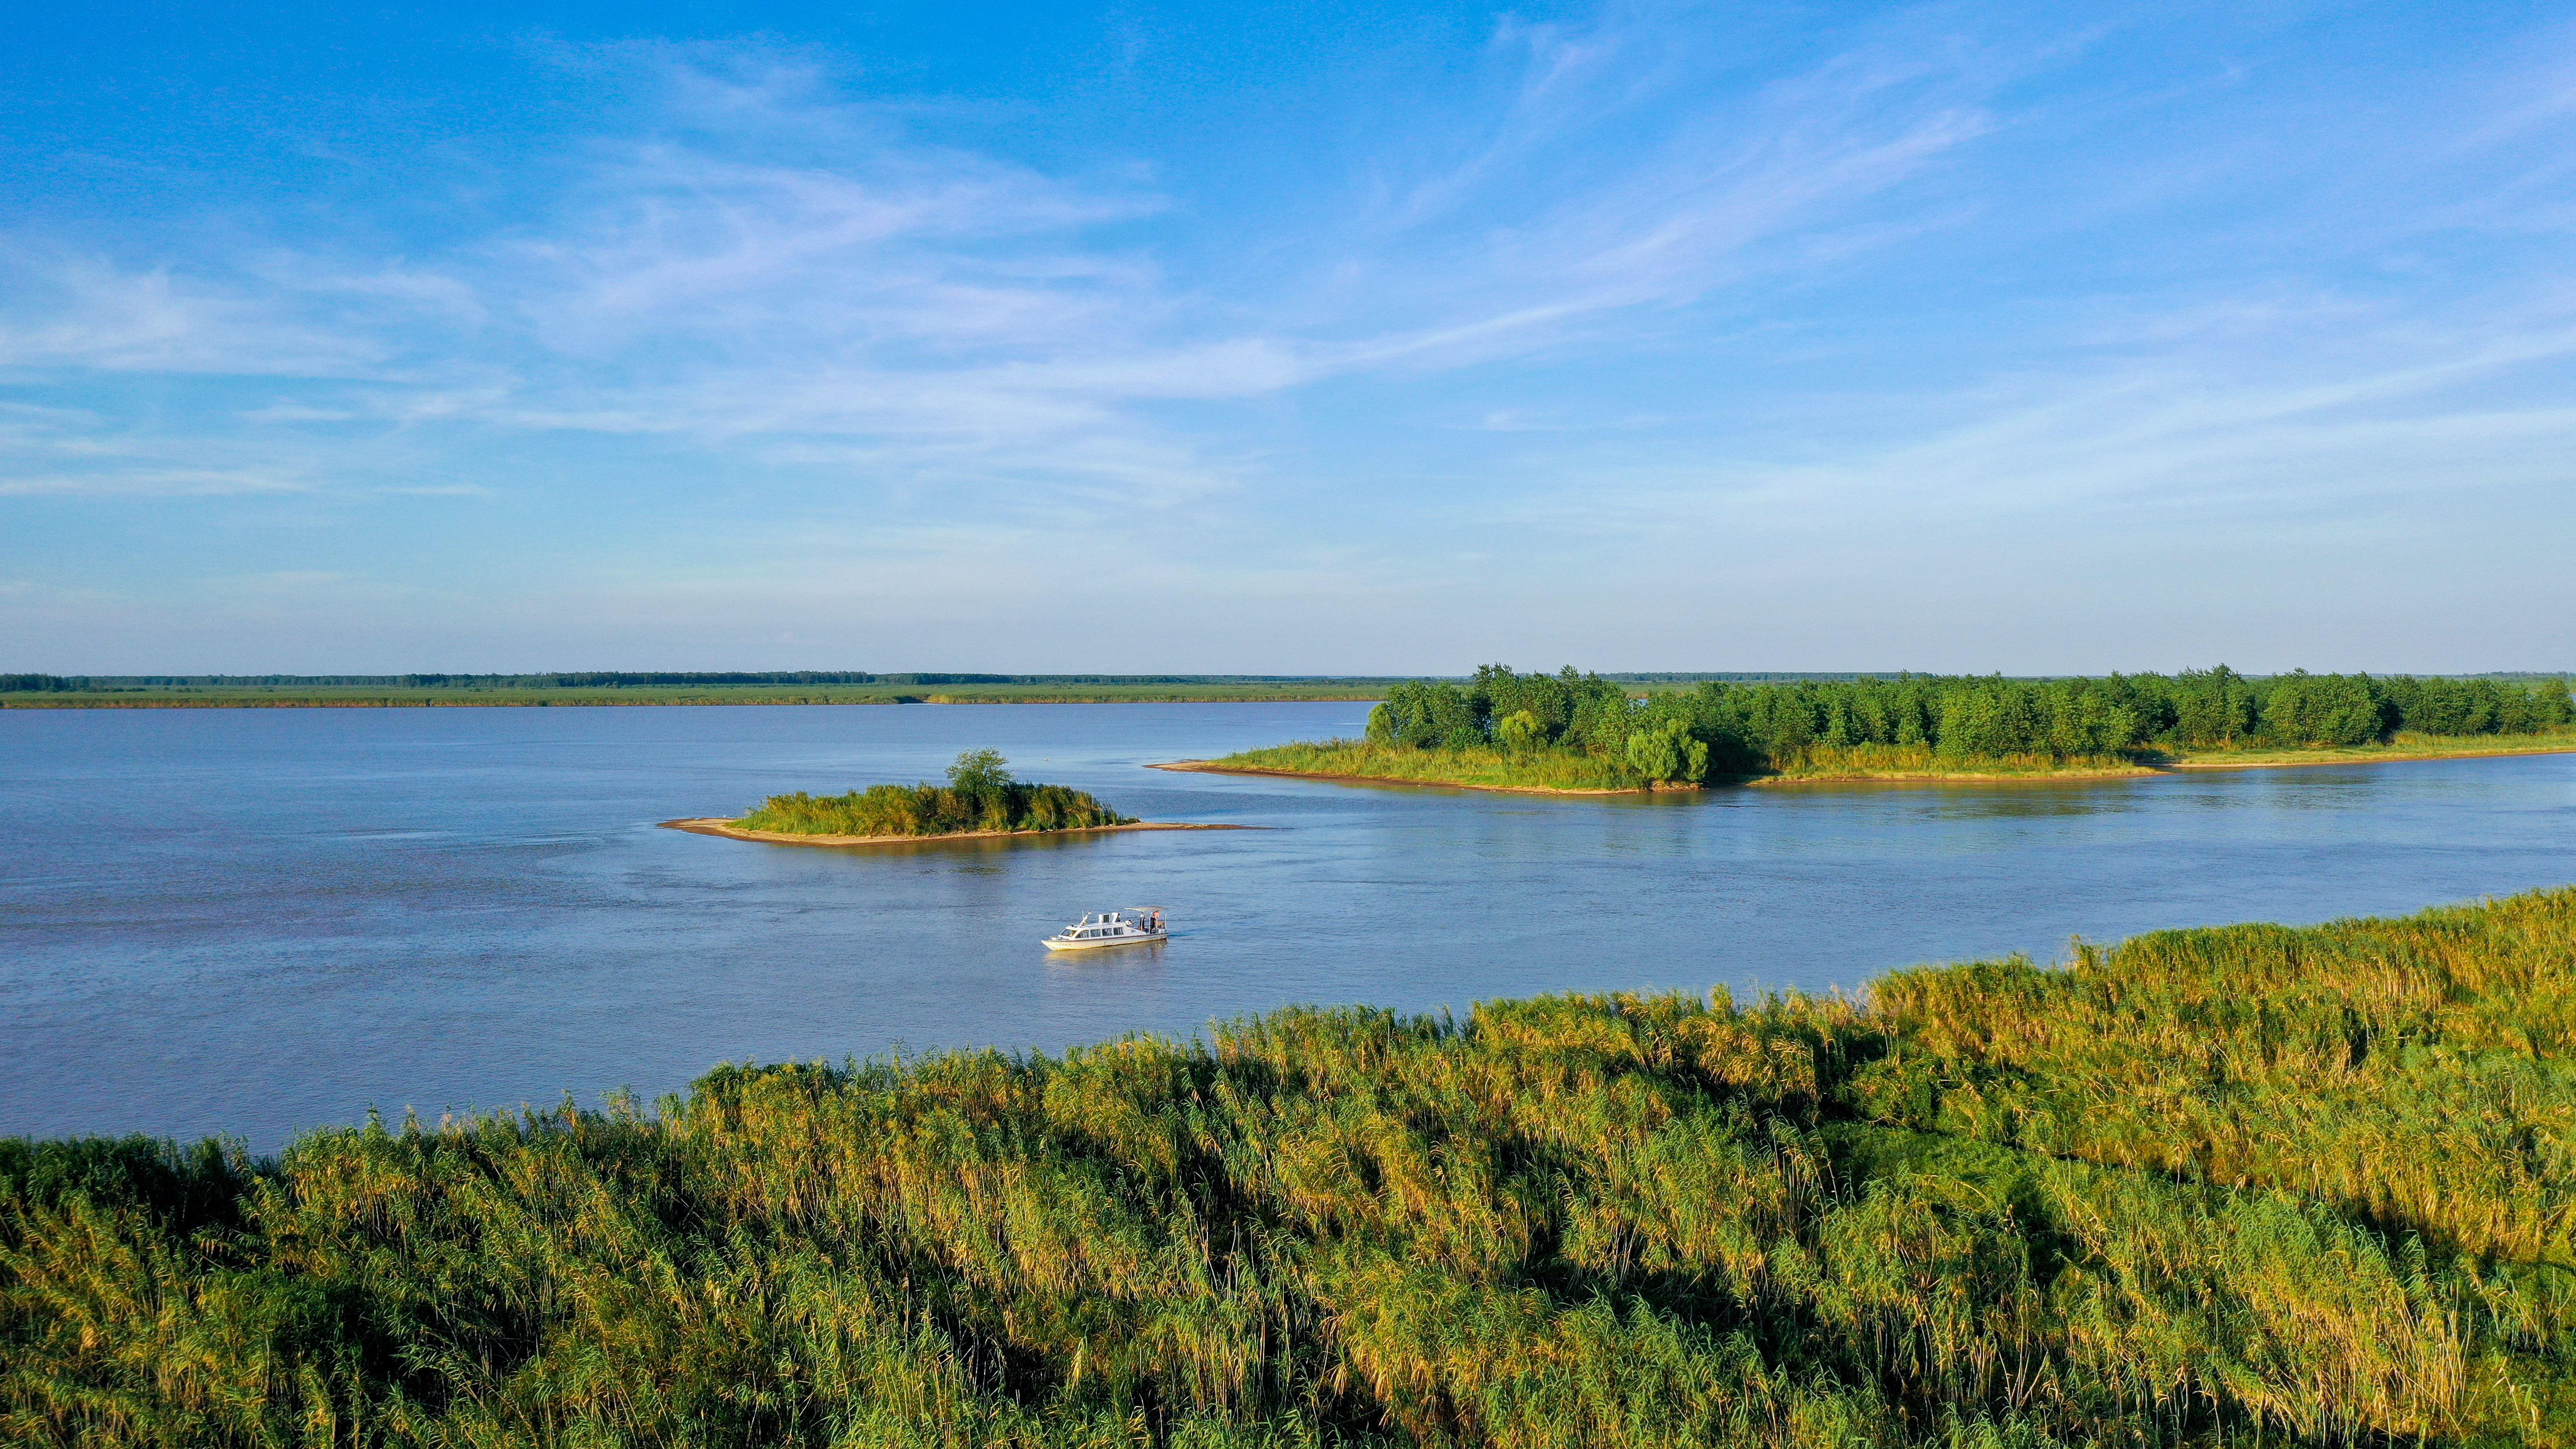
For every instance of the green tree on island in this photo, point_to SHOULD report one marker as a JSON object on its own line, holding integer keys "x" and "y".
{"x": 1520, "y": 732}
{"x": 982, "y": 776}
{"x": 1667, "y": 752}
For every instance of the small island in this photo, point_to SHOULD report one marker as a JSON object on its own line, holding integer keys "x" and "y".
{"x": 980, "y": 800}
{"x": 1580, "y": 734}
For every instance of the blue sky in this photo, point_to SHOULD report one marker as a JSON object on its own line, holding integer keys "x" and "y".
{"x": 1273, "y": 338}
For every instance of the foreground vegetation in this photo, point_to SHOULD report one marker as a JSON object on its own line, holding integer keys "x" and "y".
{"x": 980, "y": 796}
{"x": 2248, "y": 1184}
{"x": 1581, "y": 731}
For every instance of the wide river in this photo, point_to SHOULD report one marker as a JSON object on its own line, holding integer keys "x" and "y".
{"x": 249, "y": 922}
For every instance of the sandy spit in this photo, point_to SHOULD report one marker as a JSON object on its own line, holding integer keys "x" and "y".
{"x": 717, "y": 825}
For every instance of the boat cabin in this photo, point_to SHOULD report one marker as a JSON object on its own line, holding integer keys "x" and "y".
{"x": 1105, "y": 928}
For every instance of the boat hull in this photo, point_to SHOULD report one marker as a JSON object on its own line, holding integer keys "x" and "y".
{"x": 1054, "y": 943}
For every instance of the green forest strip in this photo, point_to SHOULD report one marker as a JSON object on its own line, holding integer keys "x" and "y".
{"x": 1584, "y": 733}
{"x": 2208, "y": 1186}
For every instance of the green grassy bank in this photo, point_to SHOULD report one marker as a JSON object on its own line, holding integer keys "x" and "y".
{"x": 2245, "y": 1185}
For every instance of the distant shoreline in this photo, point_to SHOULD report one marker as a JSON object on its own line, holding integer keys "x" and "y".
{"x": 719, "y": 825}
{"x": 607, "y": 701}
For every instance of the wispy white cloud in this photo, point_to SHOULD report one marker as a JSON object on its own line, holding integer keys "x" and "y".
{"x": 75, "y": 451}
{"x": 927, "y": 303}
{"x": 954, "y": 352}
{"x": 145, "y": 480}
{"x": 2200, "y": 441}
{"x": 67, "y": 309}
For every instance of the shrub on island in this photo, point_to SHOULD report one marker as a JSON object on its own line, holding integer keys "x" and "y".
{"x": 980, "y": 796}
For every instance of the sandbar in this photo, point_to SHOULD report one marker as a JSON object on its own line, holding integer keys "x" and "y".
{"x": 717, "y": 825}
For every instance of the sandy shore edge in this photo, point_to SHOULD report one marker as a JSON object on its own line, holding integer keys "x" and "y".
{"x": 718, "y": 825}
{"x": 2389, "y": 759}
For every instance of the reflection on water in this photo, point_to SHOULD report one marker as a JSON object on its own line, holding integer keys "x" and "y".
{"x": 250, "y": 921}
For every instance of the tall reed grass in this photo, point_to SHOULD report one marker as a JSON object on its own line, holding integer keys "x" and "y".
{"x": 2251, "y": 1184}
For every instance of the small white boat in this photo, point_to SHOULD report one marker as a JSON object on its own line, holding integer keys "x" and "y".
{"x": 1110, "y": 928}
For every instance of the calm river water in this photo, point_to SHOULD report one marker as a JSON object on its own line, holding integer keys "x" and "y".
{"x": 252, "y": 921}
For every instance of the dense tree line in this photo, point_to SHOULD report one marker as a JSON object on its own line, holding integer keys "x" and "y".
{"x": 980, "y": 795}
{"x": 1725, "y": 728}
{"x": 2249, "y": 1184}
{"x": 618, "y": 679}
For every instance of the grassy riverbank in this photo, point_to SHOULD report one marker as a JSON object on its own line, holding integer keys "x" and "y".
{"x": 980, "y": 798}
{"x": 2208, "y": 1186}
